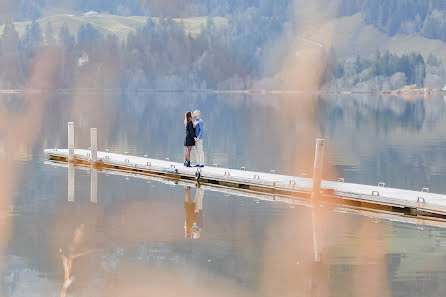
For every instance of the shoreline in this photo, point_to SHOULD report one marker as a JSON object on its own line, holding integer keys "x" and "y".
{"x": 401, "y": 92}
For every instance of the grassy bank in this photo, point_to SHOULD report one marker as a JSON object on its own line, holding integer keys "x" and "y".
{"x": 120, "y": 26}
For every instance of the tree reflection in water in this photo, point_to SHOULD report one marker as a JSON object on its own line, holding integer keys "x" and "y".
{"x": 72, "y": 254}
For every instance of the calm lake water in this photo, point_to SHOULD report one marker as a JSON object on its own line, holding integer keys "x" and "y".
{"x": 132, "y": 241}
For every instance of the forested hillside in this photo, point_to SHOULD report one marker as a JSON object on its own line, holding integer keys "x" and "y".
{"x": 425, "y": 17}
{"x": 386, "y": 71}
{"x": 162, "y": 53}
{"x": 225, "y": 44}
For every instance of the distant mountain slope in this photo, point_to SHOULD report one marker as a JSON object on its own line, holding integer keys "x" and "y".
{"x": 424, "y": 17}
{"x": 119, "y": 26}
{"x": 353, "y": 37}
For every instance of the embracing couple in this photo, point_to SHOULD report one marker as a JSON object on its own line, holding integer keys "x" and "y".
{"x": 194, "y": 137}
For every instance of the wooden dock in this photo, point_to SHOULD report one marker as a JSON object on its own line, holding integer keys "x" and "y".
{"x": 413, "y": 203}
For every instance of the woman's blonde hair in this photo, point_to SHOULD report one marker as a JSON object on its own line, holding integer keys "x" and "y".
{"x": 187, "y": 116}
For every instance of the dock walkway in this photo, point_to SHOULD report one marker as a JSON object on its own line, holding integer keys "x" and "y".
{"x": 418, "y": 203}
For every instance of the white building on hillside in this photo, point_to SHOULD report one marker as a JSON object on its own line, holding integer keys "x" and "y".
{"x": 91, "y": 13}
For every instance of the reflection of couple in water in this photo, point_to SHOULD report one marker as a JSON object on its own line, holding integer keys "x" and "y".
{"x": 194, "y": 137}
{"x": 194, "y": 214}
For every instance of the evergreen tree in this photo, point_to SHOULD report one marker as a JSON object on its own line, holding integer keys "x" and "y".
{"x": 65, "y": 37}
{"x": 87, "y": 33}
{"x": 32, "y": 38}
{"x": 10, "y": 39}
{"x": 49, "y": 35}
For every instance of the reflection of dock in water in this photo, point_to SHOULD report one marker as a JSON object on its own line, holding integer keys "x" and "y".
{"x": 375, "y": 214}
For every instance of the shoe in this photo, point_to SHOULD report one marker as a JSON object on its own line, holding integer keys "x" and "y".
{"x": 201, "y": 166}
{"x": 185, "y": 163}
{"x": 188, "y": 163}
{"x": 197, "y": 165}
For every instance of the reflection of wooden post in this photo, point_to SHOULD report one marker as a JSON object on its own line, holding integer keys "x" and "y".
{"x": 315, "y": 233}
{"x": 70, "y": 141}
{"x": 94, "y": 144}
{"x": 317, "y": 168}
{"x": 70, "y": 182}
{"x": 94, "y": 186}
{"x": 317, "y": 175}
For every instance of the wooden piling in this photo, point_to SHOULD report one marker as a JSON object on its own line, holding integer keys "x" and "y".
{"x": 70, "y": 141}
{"x": 94, "y": 144}
{"x": 317, "y": 168}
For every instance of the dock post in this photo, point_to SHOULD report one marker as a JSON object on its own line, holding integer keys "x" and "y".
{"x": 70, "y": 141}
{"x": 317, "y": 168}
{"x": 94, "y": 186}
{"x": 94, "y": 144}
{"x": 70, "y": 182}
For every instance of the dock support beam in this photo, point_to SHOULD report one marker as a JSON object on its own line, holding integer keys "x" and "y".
{"x": 94, "y": 144}
{"x": 70, "y": 141}
{"x": 317, "y": 168}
